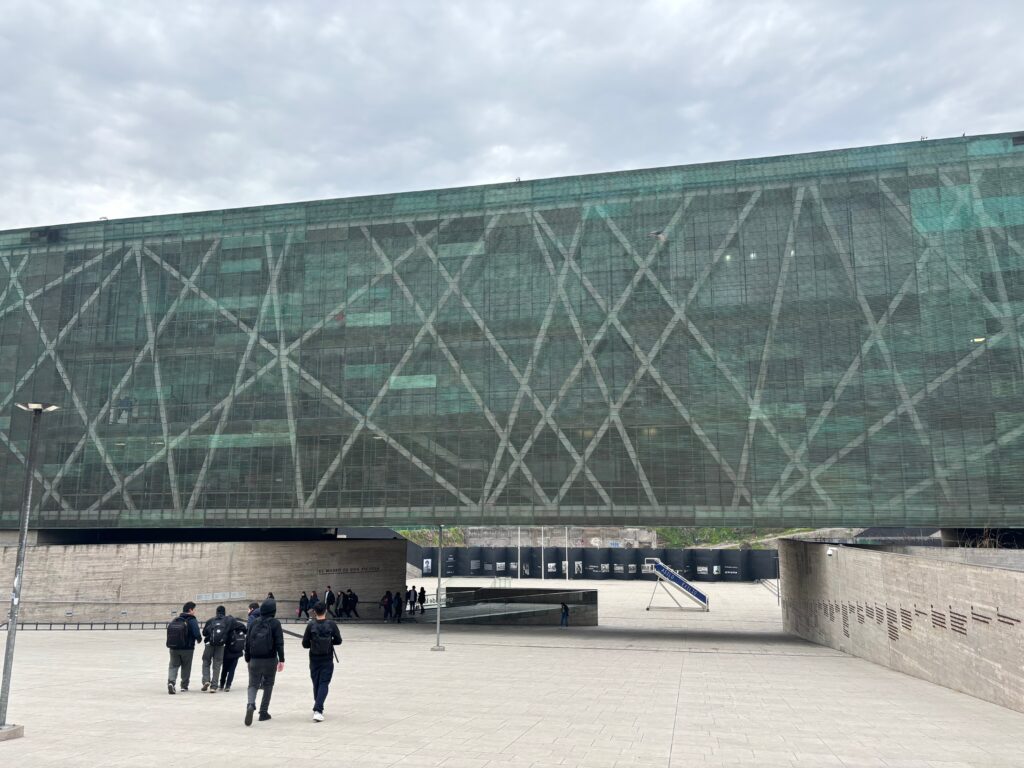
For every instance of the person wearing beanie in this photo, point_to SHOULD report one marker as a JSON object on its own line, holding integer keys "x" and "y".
{"x": 215, "y": 637}
{"x": 264, "y": 653}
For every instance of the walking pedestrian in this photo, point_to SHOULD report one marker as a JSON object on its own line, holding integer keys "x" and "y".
{"x": 233, "y": 651}
{"x": 564, "y": 623}
{"x": 264, "y": 653}
{"x": 397, "y": 605}
{"x": 215, "y": 638}
{"x": 422, "y": 600}
{"x": 329, "y": 600}
{"x": 314, "y": 598}
{"x": 303, "y": 606}
{"x": 353, "y": 602}
{"x": 182, "y": 636}
{"x": 343, "y": 601}
{"x": 320, "y": 637}
{"x": 385, "y": 604}
{"x": 254, "y": 613}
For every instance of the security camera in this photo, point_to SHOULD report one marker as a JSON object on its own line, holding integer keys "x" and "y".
{"x": 830, "y": 552}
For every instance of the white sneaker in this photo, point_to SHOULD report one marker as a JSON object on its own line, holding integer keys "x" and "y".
{"x": 318, "y": 717}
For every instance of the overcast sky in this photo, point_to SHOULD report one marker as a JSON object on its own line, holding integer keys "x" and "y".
{"x": 128, "y": 108}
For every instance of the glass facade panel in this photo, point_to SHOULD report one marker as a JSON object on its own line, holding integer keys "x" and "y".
{"x": 821, "y": 339}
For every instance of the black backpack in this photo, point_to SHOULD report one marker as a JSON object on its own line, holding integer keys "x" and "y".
{"x": 321, "y": 638}
{"x": 261, "y": 639}
{"x": 218, "y": 630}
{"x": 236, "y": 642}
{"x": 179, "y": 637}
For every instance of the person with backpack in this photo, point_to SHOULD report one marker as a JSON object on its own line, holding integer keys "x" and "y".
{"x": 353, "y": 601}
{"x": 264, "y": 653}
{"x": 215, "y": 636}
{"x": 233, "y": 651}
{"x": 320, "y": 637}
{"x": 182, "y": 636}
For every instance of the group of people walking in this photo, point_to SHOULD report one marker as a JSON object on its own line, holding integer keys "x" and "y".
{"x": 394, "y": 605}
{"x": 260, "y": 641}
{"x": 341, "y": 605}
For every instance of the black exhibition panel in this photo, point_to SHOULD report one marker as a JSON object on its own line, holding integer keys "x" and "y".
{"x": 680, "y": 561}
{"x": 532, "y": 564}
{"x": 735, "y": 564}
{"x": 462, "y": 557}
{"x": 709, "y": 564}
{"x": 576, "y": 562}
{"x": 489, "y": 561}
{"x": 623, "y": 563}
{"x": 596, "y": 563}
{"x": 763, "y": 564}
{"x": 553, "y": 557}
{"x": 428, "y": 561}
{"x": 502, "y": 555}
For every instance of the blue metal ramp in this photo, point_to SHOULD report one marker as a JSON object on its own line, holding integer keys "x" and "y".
{"x": 666, "y": 577}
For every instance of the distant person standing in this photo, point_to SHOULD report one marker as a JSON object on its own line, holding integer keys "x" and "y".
{"x": 398, "y": 605}
{"x": 353, "y": 602}
{"x": 303, "y": 606}
{"x": 564, "y": 623}
{"x": 233, "y": 651}
{"x": 410, "y": 598}
{"x": 264, "y": 653}
{"x": 329, "y": 600}
{"x": 385, "y": 604}
{"x": 320, "y": 637}
{"x": 215, "y": 636}
{"x": 182, "y": 636}
{"x": 422, "y": 600}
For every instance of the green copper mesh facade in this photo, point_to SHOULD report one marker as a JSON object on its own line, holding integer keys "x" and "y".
{"x": 820, "y": 339}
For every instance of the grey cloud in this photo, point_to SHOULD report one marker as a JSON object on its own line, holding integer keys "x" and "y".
{"x": 115, "y": 109}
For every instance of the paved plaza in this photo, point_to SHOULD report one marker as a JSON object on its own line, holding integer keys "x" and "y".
{"x": 661, "y": 688}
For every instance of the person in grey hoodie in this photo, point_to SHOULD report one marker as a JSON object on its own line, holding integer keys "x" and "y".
{"x": 264, "y": 653}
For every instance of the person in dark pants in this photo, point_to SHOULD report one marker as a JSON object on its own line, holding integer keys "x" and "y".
{"x": 385, "y": 604}
{"x": 343, "y": 609}
{"x": 353, "y": 601}
{"x": 183, "y": 650}
{"x": 564, "y": 623}
{"x": 215, "y": 636}
{"x": 329, "y": 600}
{"x": 320, "y": 637}
{"x": 303, "y": 606}
{"x": 397, "y": 605}
{"x": 232, "y": 653}
{"x": 422, "y": 600}
{"x": 264, "y": 653}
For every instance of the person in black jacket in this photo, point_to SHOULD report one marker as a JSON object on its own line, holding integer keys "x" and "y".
{"x": 320, "y": 637}
{"x": 264, "y": 653}
{"x": 181, "y": 658}
{"x": 232, "y": 653}
{"x": 353, "y": 601}
{"x": 303, "y": 606}
{"x": 329, "y": 600}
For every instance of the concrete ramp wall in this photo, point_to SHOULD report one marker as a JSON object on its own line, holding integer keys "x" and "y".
{"x": 952, "y": 623}
{"x": 147, "y": 582}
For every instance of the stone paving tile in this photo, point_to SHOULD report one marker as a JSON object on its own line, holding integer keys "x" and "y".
{"x": 661, "y": 688}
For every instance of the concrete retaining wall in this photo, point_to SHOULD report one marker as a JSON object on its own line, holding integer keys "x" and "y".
{"x": 147, "y": 582}
{"x": 951, "y": 623}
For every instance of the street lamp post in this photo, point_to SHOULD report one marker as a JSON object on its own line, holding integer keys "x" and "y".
{"x": 37, "y": 410}
{"x": 440, "y": 564}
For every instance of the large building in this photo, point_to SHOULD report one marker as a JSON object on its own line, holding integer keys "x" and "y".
{"x": 830, "y": 338}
